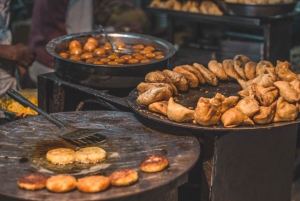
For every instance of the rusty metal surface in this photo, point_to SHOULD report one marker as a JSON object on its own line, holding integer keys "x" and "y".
{"x": 25, "y": 142}
{"x": 190, "y": 99}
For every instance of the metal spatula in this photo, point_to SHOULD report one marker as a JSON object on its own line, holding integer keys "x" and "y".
{"x": 77, "y": 136}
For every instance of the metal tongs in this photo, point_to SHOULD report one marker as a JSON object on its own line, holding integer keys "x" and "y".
{"x": 114, "y": 47}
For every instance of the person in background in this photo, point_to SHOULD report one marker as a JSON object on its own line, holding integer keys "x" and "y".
{"x": 12, "y": 57}
{"x": 52, "y": 19}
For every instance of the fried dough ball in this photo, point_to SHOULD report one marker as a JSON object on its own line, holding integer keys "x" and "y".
{"x": 87, "y": 55}
{"x": 90, "y": 155}
{"x": 93, "y": 184}
{"x": 133, "y": 61}
{"x": 32, "y": 181}
{"x": 149, "y": 48}
{"x": 89, "y": 46}
{"x": 139, "y": 47}
{"x": 61, "y": 183}
{"x": 75, "y": 58}
{"x": 154, "y": 163}
{"x": 64, "y": 55}
{"x": 61, "y": 156}
{"x": 74, "y": 43}
{"x": 99, "y": 51}
{"x": 76, "y": 50}
{"x": 120, "y": 45}
{"x": 123, "y": 177}
{"x": 93, "y": 40}
{"x": 145, "y": 61}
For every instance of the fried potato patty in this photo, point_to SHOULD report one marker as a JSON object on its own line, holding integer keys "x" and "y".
{"x": 32, "y": 181}
{"x": 61, "y": 156}
{"x": 92, "y": 184}
{"x": 90, "y": 155}
{"x": 154, "y": 163}
{"x": 61, "y": 183}
{"x": 123, "y": 177}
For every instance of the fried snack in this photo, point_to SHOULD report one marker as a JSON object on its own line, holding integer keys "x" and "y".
{"x": 93, "y": 184}
{"x": 262, "y": 66}
{"x": 239, "y": 62}
{"x": 123, "y": 177}
{"x": 143, "y": 86}
{"x": 229, "y": 69}
{"x": 90, "y": 155}
{"x": 61, "y": 156}
{"x": 186, "y": 6}
{"x": 159, "y": 77}
{"x": 266, "y": 80}
{"x": 169, "y": 4}
{"x": 245, "y": 84}
{"x": 217, "y": 69}
{"x": 266, "y": 96}
{"x": 222, "y": 103}
{"x": 154, "y": 94}
{"x": 61, "y": 183}
{"x": 154, "y": 163}
{"x": 248, "y": 105}
{"x": 234, "y": 117}
{"x": 287, "y": 91}
{"x": 178, "y": 79}
{"x": 265, "y": 114}
{"x": 179, "y": 113}
{"x": 283, "y": 71}
{"x": 208, "y": 7}
{"x": 159, "y": 107}
{"x": 193, "y": 81}
{"x": 296, "y": 85}
{"x": 250, "y": 70}
{"x": 194, "y": 7}
{"x": 207, "y": 74}
{"x": 245, "y": 92}
{"x": 193, "y": 70}
{"x": 285, "y": 111}
{"x": 205, "y": 113}
{"x": 32, "y": 181}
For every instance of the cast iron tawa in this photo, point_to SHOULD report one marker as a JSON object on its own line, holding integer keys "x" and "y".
{"x": 24, "y": 144}
{"x": 190, "y": 99}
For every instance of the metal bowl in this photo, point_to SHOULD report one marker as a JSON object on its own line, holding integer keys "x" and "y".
{"x": 106, "y": 76}
{"x": 259, "y": 10}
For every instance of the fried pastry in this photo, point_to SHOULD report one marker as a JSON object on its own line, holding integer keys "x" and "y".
{"x": 283, "y": 71}
{"x": 61, "y": 156}
{"x": 239, "y": 62}
{"x": 154, "y": 94}
{"x": 169, "y": 4}
{"x": 248, "y": 105}
{"x": 287, "y": 91}
{"x": 229, "y": 69}
{"x": 262, "y": 66}
{"x": 193, "y": 81}
{"x": 154, "y": 163}
{"x": 159, "y": 77}
{"x": 177, "y": 6}
{"x": 123, "y": 177}
{"x": 178, "y": 79}
{"x": 267, "y": 79}
{"x": 143, "y": 86}
{"x": 179, "y": 113}
{"x": 245, "y": 84}
{"x": 207, "y": 74}
{"x": 285, "y": 111}
{"x": 61, "y": 183}
{"x": 234, "y": 117}
{"x": 90, "y": 155}
{"x": 193, "y": 70}
{"x": 245, "y": 92}
{"x": 296, "y": 85}
{"x": 159, "y": 107}
{"x": 222, "y": 103}
{"x": 32, "y": 181}
{"x": 266, "y": 96}
{"x": 265, "y": 114}
{"x": 217, "y": 69}
{"x": 93, "y": 184}
{"x": 250, "y": 70}
{"x": 186, "y": 6}
{"x": 194, "y": 7}
{"x": 205, "y": 113}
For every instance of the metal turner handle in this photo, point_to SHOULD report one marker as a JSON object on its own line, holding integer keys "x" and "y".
{"x": 108, "y": 38}
{"x": 26, "y": 103}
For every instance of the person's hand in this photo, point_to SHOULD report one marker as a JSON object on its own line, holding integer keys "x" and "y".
{"x": 23, "y": 55}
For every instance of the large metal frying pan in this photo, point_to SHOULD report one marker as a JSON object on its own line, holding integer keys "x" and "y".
{"x": 105, "y": 76}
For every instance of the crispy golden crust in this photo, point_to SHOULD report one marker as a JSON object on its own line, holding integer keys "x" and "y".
{"x": 123, "y": 177}
{"x": 92, "y": 184}
{"x": 154, "y": 163}
{"x": 90, "y": 155}
{"x": 61, "y": 183}
{"x": 61, "y": 156}
{"x": 32, "y": 181}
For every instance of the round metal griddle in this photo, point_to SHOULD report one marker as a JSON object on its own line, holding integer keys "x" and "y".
{"x": 190, "y": 99}
{"x": 107, "y": 76}
{"x": 25, "y": 142}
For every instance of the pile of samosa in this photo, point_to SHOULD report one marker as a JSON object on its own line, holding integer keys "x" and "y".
{"x": 269, "y": 94}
